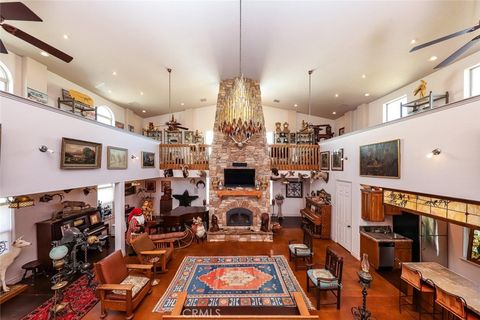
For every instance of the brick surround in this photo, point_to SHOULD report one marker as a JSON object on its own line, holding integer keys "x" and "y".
{"x": 225, "y": 152}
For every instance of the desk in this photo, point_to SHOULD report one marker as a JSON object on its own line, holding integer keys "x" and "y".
{"x": 450, "y": 282}
{"x": 181, "y": 215}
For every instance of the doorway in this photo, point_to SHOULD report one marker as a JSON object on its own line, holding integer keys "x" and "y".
{"x": 343, "y": 201}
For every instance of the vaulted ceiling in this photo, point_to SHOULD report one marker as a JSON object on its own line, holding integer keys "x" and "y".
{"x": 341, "y": 40}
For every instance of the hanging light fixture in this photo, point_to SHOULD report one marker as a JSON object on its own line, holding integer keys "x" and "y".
{"x": 172, "y": 125}
{"x": 307, "y": 126}
{"x": 238, "y": 116}
{"x": 20, "y": 202}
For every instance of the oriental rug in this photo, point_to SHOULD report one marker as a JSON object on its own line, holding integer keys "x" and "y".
{"x": 232, "y": 282}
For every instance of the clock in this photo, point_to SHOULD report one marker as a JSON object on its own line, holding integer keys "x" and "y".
{"x": 294, "y": 189}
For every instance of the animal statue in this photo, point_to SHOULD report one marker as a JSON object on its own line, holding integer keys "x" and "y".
{"x": 185, "y": 171}
{"x": 72, "y": 205}
{"x": 6, "y": 259}
{"x": 278, "y": 127}
{"x": 265, "y": 221}
{"x": 214, "y": 227}
{"x": 167, "y": 173}
{"x": 421, "y": 89}
{"x": 198, "y": 227}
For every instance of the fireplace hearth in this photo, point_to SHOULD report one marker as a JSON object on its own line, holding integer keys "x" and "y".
{"x": 239, "y": 217}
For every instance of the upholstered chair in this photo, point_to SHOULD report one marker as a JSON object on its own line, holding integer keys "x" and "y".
{"x": 328, "y": 278}
{"x": 122, "y": 286}
{"x": 301, "y": 250}
{"x": 155, "y": 252}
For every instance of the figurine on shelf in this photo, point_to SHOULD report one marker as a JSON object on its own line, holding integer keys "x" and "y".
{"x": 214, "y": 227}
{"x": 147, "y": 208}
{"x": 421, "y": 89}
{"x": 278, "y": 127}
{"x": 265, "y": 222}
{"x": 285, "y": 128}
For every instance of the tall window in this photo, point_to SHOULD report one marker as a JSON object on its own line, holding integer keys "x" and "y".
{"x": 472, "y": 81}
{"x": 6, "y": 83}
{"x": 393, "y": 110}
{"x": 105, "y": 193}
{"x": 6, "y": 225}
{"x": 105, "y": 115}
{"x": 270, "y": 137}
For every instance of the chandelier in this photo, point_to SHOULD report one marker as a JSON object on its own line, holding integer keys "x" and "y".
{"x": 237, "y": 119}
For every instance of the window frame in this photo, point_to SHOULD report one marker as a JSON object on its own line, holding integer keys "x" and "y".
{"x": 4, "y": 203}
{"x": 111, "y": 118}
{"x": 386, "y": 104}
{"x": 470, "y": 246}
{"x": 8, "y": 79}
{"x": 468, "y": 81}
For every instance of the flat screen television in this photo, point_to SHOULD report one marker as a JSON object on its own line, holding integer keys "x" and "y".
{"x": 239, "y": 177}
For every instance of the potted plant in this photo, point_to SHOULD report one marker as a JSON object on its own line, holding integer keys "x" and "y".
{"x": 279, "y": 198}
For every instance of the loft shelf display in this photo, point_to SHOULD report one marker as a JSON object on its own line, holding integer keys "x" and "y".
{"x": 76, "y": 106}
{"x": 154, "y": 134}
{"x": 284, "y": 138}
{"x": 423, "y": 104}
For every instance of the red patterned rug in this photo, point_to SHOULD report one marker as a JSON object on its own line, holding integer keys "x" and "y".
{"x": 81, "y": 297}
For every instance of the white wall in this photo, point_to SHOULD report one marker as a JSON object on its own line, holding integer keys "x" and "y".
{"x": 455, "y": 172}
{"x": 25, "y": 170}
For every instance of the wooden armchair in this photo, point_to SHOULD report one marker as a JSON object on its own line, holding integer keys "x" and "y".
{"x": 155, "y": 252}
{"x": 120, "y": 288}
{"x": 328, "y": 278}
{"x": 302, "y": 250}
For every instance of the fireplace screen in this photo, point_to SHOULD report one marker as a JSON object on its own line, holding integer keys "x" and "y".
{"x": 239, "y": 217}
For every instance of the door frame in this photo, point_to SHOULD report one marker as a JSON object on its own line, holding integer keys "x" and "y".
{"x": 349, "y": 218}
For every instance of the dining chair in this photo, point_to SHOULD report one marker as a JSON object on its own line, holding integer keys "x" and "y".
{"x": 413, "y": 279}
{"x": 455, "y": 305}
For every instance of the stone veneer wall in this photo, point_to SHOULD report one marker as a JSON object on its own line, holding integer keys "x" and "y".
{"x": 225, "y": 152}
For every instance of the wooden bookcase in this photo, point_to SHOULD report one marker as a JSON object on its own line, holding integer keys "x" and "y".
{"x": 317, "y": 218}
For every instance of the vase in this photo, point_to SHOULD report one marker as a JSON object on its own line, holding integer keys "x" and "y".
{"x": 365, "y": 264}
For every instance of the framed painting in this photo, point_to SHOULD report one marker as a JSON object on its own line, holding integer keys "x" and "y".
{"x": 325, "y": 160}
{"x": 188, "y": 137}
{"x": 131, "y": 128}
{"x": 151, "y": 186}
{"x": 474, "y": 246}
{"x": 117, "y": 158}
{"x": 148, "y": 159}
{"x": 341, "y": 131}
{"x": 380, "y": 159}
{"x": 119, "y": 125}
{"x": 337, "y": 160}
{"x": 294, "y": 189}
{"x": 79, "y": 154}
{"x": 130, "y": 189}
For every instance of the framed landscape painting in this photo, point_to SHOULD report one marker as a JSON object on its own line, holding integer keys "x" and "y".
{"x": 117, "y": 158}
{"x": 148, "y": 159}
{"x": 79, "y": 154}
{"x": 325, "y": 160}
{"x": 380, "y": 159}
{"x": 337, "y": 160}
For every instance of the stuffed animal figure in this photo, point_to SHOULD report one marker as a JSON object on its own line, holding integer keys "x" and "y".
{"x": 198, "y": 227}
{"x": 7, "y": 258}
{"x": 136, "y": 223}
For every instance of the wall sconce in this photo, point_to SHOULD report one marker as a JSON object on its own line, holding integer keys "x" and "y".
{"x": 133, "y": 157}
{"x": 44, "y": 148}
{"x": 20, "y": 202}
{"x": 435, "y": 152}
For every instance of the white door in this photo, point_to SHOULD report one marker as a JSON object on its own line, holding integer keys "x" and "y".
{"x": 343, "y": 212}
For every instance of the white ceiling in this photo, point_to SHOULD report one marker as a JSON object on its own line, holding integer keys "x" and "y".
{"x": 341, "y": 40}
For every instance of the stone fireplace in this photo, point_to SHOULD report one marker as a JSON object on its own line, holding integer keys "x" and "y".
{"x": 239, "y": 215}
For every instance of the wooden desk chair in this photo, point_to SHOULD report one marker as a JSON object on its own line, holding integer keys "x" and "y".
{"x": 328, "y": 278}
{"x": 413, "y": 279}
{"x": 303, "y": 250}
{"x": 155, "y": 252}
{"x": 453, "y": 304}
{"x": 120, "y": 288}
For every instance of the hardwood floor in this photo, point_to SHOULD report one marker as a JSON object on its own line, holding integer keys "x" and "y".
{"x": 382, "y": 298}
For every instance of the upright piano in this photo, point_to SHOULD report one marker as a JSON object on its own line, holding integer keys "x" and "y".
{"x": 53, "y": 229}
{"x": 317, "y": 218}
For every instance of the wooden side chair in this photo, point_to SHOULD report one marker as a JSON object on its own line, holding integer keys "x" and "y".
{"x": 413, "y": 279}
{"x": 120, "y": 287}
{"x": 303, "y": 250}
{"x": 328, "y": 278}
{"x": 454, "y": 305}
{"x": 155, "y": 252}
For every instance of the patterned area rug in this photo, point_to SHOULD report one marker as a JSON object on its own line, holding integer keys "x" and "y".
{"x": 81, "y": 297}
{"x": 233, "y": 281}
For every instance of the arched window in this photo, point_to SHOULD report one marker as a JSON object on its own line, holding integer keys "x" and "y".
{"x": 105, "y": 115}
{"x": 6, "y": 81}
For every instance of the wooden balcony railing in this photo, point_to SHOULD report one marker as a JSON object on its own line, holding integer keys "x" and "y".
{"x": 295, "y": 156}
{"x": 174, "y": 156}
{"x": 282, "y": 156}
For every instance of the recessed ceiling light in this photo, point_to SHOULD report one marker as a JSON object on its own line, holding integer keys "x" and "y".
{"x": 295, "y": 105}
{"x": 182, "y": 103}
{"x": 141, "y": 93}
{"x": 65, "y": 36}
{"x": 144, "y": 111}
{"x": 334, "y": 112}
{"x": 336, "y": 95}
{"x": 114, "y": 73}
{"x": 432, "y": 58}
{"x": 364, "y": 76}
{"x": 109, "y": 91}
{"x": 45, "y": 54}
{"x": 367, "y": 94}
{"x": 413, "y": 41}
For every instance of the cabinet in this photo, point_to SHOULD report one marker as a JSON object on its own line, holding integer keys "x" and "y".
{"x": 372, "y": 205}
{"x": 403, "y": 253}
{"x": 317, "y": 219}
{"x": 370, "y": 247}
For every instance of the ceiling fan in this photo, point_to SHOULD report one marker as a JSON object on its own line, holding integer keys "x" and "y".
{"x": 172, "y": 125}
{"x": 19, "y": 11}
{"x": 454, "y": 56}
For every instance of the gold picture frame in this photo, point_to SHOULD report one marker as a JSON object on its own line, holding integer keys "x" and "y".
{"x": 79, "y": 154}
{"x": 117, "y": 158}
